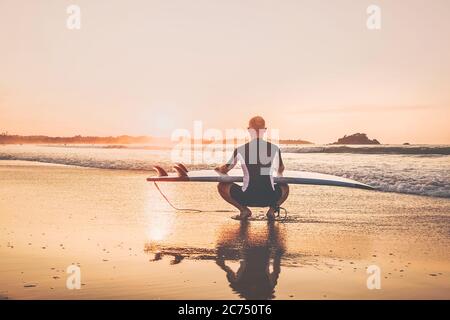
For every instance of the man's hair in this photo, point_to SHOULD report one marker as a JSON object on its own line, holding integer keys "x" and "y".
{"x": 257, "y": 123}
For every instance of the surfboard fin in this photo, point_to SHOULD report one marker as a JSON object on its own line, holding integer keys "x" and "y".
{"x": 161, "y": 172}
{"x": 180, "y": 171}
{"x": 181, "y": 166}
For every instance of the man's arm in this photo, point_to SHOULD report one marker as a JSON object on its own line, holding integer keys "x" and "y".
{"x": 229, "y": 165}
{"x": 280, "y": 164}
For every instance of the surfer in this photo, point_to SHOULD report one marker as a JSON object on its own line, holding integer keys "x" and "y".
{"x": 259, "y": 160}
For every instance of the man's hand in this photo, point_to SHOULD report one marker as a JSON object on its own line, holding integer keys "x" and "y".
{"x": 222, "y": 169}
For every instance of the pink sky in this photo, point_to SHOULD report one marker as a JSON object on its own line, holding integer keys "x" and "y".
{"x": 311, "y": 68}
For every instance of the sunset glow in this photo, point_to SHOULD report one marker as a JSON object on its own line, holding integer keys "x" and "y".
{"x": 311, "y": 68}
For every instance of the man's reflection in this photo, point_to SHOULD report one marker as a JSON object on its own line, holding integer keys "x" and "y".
{"x": 253, "y": 279}
{"x": 256, "y": 247}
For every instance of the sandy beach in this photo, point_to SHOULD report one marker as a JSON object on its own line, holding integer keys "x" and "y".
{"x": 130, "y": 244}
{"x": 336, "y": 111}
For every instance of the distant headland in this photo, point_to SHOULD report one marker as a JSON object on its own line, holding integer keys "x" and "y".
{"x": 357, "y": 138}
{"x": 39, "y": 139}
{"x": 6, "y": 138}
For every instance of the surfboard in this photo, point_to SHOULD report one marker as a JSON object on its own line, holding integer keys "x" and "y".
{"x": 236, "y": 175}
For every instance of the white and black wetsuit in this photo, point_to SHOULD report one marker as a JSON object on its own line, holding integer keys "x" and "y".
{"x": 259, "y": 160}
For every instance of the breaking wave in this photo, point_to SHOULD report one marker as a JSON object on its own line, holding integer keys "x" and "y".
{"x": 426, "y": 174}
{"x": 357, "y": 149}
{"x": 383, "y": 149}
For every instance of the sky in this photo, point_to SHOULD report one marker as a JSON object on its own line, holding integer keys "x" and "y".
{"x": 312, "y": 68}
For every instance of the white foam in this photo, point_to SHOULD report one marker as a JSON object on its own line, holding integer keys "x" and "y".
{"x": 401, "y": 173}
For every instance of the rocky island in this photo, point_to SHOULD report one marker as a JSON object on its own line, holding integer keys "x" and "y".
{"x": 357, "y": 138}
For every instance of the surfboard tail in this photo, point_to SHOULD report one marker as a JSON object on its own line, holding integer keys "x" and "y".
{"x": 162, "y": 175}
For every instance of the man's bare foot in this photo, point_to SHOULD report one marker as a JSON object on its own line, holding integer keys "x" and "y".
{"x": 271, "y": 214}
{"x": 245, "y": 214}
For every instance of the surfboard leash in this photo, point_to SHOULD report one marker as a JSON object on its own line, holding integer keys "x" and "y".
{"x": 184, "y": 209}
{"x": 197, "y": 210}
{"x": 278, "y": 209}
{"x": 170, "y": 203}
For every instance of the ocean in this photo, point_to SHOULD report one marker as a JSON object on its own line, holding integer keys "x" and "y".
{"x": 411, "y": 169}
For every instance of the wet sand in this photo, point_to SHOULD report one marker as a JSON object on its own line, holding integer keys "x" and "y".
{"x": 130, "y": 244}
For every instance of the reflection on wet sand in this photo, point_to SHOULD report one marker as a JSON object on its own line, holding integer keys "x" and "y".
{"x": 256, "y": 249}
{"x": 253, "y": 279}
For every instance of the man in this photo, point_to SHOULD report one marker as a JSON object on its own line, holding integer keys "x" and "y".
{"x": 259, "y": 160}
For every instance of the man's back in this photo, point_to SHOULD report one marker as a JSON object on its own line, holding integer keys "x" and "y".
{"x": 258, "y": 158}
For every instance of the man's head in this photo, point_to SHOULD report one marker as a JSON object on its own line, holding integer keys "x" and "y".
{"x": 257, "y": 127}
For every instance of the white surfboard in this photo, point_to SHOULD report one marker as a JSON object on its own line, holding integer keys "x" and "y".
{"x": 236, "y": 175}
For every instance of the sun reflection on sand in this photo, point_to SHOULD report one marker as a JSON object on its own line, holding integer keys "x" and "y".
{"x": 158, "y": 224}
